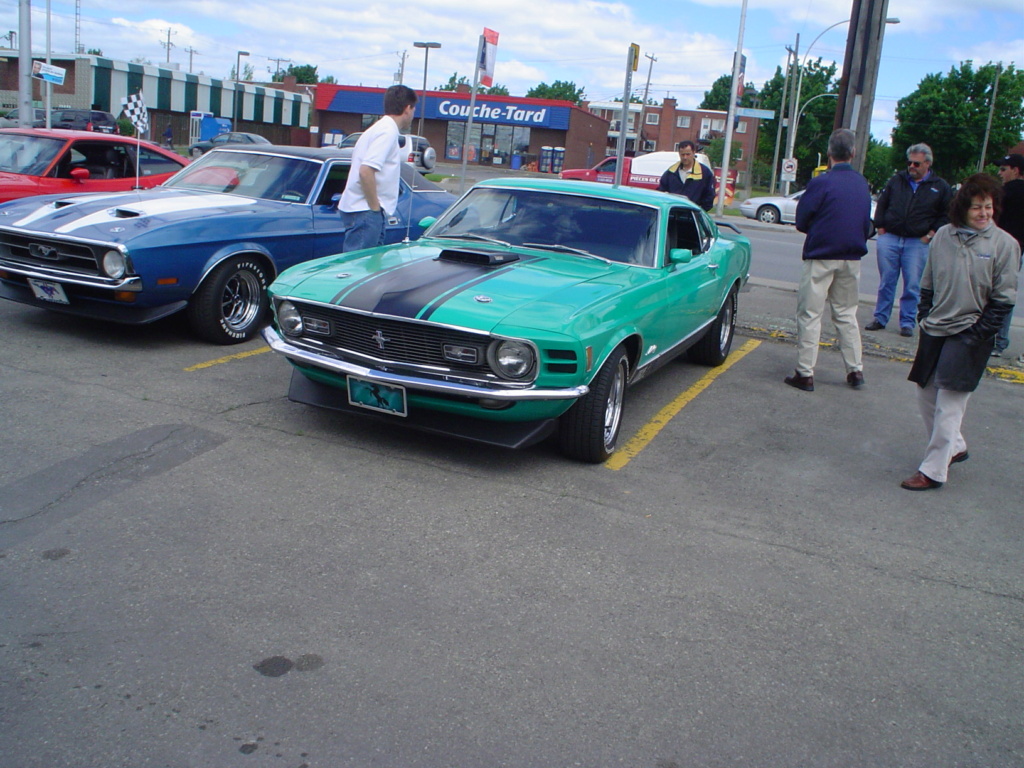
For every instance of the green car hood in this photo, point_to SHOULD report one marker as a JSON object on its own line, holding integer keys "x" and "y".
{"x": 461, "y": 285}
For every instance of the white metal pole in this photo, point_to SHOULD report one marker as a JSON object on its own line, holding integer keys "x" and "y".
{"x": 727, "y": 150}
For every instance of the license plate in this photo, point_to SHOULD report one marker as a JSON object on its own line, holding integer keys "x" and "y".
{"x": 48, "y": 290}
{"x": 377, "y": 397}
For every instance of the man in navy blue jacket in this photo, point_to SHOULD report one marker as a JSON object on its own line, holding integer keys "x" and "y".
{"x": 689, "y": 178}
{"x": 835, "y": 214}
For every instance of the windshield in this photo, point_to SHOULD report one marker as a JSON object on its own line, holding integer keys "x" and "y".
{"x": 611, "y": 229}
{"x": 249, "y": 174}
{"x": 29, "y": 155}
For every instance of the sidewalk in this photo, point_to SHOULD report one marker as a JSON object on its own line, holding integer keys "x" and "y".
{"x": 767, "y": 310}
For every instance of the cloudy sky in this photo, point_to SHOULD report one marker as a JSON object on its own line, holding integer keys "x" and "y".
{"x": 583, "y": 41}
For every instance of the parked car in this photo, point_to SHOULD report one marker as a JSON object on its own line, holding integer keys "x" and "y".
{"x": 84, "y": 120}
{"x": 643, "y": 171}
{"x": 224, "y": 139}
{"x": 773, "y": 209}
{"x": 527, "y": 308}
{"x": 10, "y": 120}
{"x": 36, "y": 161}
{"x": 779, "y": 209}
{"x": 208, "y": 242}
{"x": 419, "y": 153}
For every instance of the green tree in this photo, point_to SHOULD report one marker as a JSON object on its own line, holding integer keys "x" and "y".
{"x": 94, "y": 52}
{"x": 498, "y": 90}
{"x": 454, "y": 82}
{"x": 716, "y": 149}
{"x": 305, "y": 74}
{"x": 718, "y": 96}
{"x": 559, "y": 90}
{"x": 949, "y": 113}
{"x": 878, "y": 164}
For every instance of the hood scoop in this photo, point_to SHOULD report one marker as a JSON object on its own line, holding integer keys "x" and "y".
{"x": 125, "y": 213}
{"x": 479, "y": 258}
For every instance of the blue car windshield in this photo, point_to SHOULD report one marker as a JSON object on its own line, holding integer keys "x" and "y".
{"x": 250, "y": 174}
{"x": 610, "y": 229}
{"x": 29, "y": 155}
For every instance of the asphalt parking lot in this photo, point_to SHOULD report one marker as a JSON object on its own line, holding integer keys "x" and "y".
{"x": 196, "y": 572}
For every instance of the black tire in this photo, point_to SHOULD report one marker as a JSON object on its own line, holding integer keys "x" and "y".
{"x": 714, "y": 345}
{"x": 590, "y": 429}
{"x": 231, "y": 304}
{"x": 769, "y": 214}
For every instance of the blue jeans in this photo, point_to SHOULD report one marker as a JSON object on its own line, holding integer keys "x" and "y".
{"x": 1003, "y": 336}
{"x": 899, "y": 256}
{"x": 363, "y": 229}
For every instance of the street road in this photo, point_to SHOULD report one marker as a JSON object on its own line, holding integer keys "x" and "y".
{"x": 197, "y": 573}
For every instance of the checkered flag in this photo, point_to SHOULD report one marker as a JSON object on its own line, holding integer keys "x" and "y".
{"x": 134, "y": 108}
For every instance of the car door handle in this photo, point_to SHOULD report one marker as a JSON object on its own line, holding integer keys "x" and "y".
{"x": 712, "y": 267}
{"x": 393, "y": 220}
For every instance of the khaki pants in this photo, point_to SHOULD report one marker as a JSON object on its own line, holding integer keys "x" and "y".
{"x": 835, "y": 281}
{"x": 942, "y": 411}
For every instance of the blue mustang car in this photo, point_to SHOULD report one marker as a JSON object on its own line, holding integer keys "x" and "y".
{"x": 208, "y": 241}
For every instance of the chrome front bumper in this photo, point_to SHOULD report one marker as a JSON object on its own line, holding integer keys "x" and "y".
{"x": 278, "y": 344}
{"x": 133, "y": 283}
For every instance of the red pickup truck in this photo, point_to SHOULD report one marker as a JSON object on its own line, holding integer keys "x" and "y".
{"x": 644, "y": 171}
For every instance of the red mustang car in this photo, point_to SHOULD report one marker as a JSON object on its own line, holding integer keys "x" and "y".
{"x": 36, "y": 161}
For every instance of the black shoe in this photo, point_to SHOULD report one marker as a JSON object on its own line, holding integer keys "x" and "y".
{"x": 908, "y": 332}
{"x": 874, "y": 325}
{"x": 958, "y": 457}
{"x": 806, "y": 383}
{"x": 855, "y": 379}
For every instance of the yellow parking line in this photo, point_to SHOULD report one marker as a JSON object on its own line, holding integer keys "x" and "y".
{"x": 622, "y": 457}
{"x": 228, "y": 359}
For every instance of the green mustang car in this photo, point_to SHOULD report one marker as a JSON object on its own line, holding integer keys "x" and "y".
{"x": 527, "y": 308}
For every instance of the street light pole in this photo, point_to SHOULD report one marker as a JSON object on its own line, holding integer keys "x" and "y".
{"x": 239, "y": 96}
{"x": 791, "y": 133}
{"x": 426, "y": 57}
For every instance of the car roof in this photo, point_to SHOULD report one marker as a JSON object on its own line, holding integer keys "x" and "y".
{"x": 308, "y": 153}
{"x": 67, "y": 133}
{"x": 592, "y": 189}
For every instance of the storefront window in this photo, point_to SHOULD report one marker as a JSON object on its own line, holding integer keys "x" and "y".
{"x": 489, "y": 144}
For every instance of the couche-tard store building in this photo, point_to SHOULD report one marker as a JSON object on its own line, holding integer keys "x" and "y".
{"x": 506, "y": 131}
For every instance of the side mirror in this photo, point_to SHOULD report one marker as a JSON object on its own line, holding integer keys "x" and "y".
{"x": 79, "y": 174}
{"x": 680, "y": 256}
{"x": 426, "y": 221}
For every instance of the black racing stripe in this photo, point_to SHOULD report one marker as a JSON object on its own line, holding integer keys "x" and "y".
{"x": 440, "y": 300}
{"x": 349, "y": 288}
{"x": 409, "y": 289}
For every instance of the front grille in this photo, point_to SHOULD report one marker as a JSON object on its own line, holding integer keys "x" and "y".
{"x": 395, "y": 341}
{"x": 41, "y": 251}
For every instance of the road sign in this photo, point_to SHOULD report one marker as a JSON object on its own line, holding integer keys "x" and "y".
{"x": 789, "y": 169}
{"x": 48, "y": 72}
{"x": 763, "y": 114}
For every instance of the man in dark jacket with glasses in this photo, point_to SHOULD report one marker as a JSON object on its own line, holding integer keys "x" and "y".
{"x": 913, "y": 205}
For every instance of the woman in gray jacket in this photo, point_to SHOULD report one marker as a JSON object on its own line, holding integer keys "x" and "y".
{"x": 968, "y": 286}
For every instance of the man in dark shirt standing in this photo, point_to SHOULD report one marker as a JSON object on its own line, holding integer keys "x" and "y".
{"x": 910, "y": 209}
{"x": 1011, "y": 171}
{"x": 835, "y": 214}
{"x": 690, "y": 178}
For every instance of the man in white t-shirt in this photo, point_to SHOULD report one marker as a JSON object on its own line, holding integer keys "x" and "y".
{"x": 371, "y": 192}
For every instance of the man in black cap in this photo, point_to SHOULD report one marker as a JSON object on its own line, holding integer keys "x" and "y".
{"x": 1011, "y": 171}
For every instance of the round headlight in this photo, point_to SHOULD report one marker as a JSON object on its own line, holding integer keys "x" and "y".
{"x": 513, "y": 359}
{"x": 114, "y": 264}
{"x": 289, "y": 319}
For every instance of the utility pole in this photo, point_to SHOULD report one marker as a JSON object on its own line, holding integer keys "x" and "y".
{"x": 277, "y": 66}
{"x": 400, "y": 74}
{"x": 168, "y": 45}
{"x": 782, "y": 119}
{"x": 190, "y": 51}
{"x": 737, "y": 80}
{"x": 791, "y": 123}
{"x": 860, "y": 73}
{"x": 991, "y": 112}
{"x": 643, "y": 107}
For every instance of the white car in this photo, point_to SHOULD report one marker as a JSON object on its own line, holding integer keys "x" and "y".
{"x": 772, "y": 210}
{"x": 420, "y": 153}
